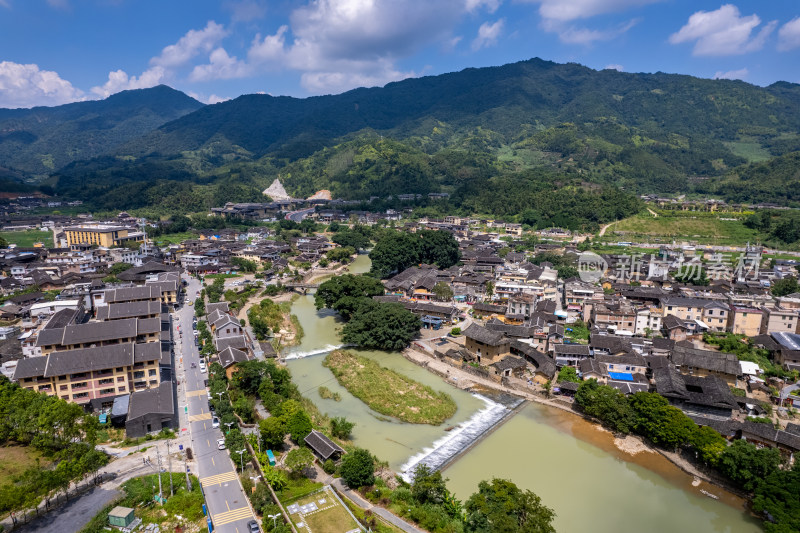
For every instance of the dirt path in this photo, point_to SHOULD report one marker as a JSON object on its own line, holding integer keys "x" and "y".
{"x": 655, "y": 215}
{"x": 604, "y": 228}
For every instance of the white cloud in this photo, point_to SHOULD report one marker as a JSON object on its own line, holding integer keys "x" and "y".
{"x": 789, "y": 35}
{"x": 576, "y": 35}
{"x": 723, "y": 32}
{"x": 270, "y": 49}
{"x": 190, "y": 45}
{"x": 119, "y": 80}
{"x": 29, "y": 86}
{"x": 614, "y": 66}
{"x": 212, "y": 99}
{"x": 732, "y": 74}
{"x": 221, "y": 66}
{"x": 488, "y": 34}
{"x": 567, "y": 10}
{"x": 246, "y": 10}
{"x": 490, "y": 5}
{"x": 5, "y": 3}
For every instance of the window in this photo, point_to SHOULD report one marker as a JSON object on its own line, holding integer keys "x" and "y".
{"x": 64, "y": 387}
{"x": 121, "y": 389}
{"x": 152, "y": 372}
{"x": 80, "y": 395}
{"x": 121, "y": 378}
{"x": 106, "y": 381}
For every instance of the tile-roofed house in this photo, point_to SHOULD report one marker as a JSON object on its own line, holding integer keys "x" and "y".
{"x": 238, "y": 342}
{"x": 691, "y": 360}
{"x": 150, "y": 410}
{"x": 136, "y": 309}
{"x": 707, "y": 395}
{"x": 480, "y": 309}
{"x": 570, "y": 354}
{"x": 222, "y": 307}
{"x": 486, "y": 344}
{"x": 545, "y": 367}
{"x": 229, "y": 357}
{"x": 609, "y": 344}
{"x": 324, "y": 447}
{"x": 509, "y": 365}
{"x": 674, "y": 328}
{"x": 132, "y": 294}
{"x": 766, "y": 435}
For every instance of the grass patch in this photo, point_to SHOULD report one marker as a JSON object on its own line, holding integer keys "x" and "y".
{"x": 388, "y": 392}
{"x": 26, "y": 239}
{"x": 175, "y": 238}
{"x": 326, "y": 394}
{"x": 297, "y": 488}
{"x": 753, "y": 151}
{"x": 15, "y": 459}
{"x": 704, "y": 228}
{"x": 331, "y": 516}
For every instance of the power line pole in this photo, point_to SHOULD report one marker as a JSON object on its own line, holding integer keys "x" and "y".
{"x": 186, "y": 469}
{"x": 169, "y": 462}
{"x": 158, "y": 473}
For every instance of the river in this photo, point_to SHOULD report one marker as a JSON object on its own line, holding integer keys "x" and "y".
{"x": 570, "y": 463}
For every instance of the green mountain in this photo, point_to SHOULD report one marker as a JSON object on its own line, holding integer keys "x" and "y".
{"x": 36, "y": 142}
{"x": 534, "y": 140}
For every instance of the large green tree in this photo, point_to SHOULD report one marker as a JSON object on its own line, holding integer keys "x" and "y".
{"x": 345, "y": 294}
{"x": 358, "y": 468}
{"x": 606, "y": 403}
{"x": 383, "y": 326}
{"x": 777, "y": 499}
{"x": 273, "y": 431}
{"x": 747, "y": 465}
{"x": 656, "y": 419}
{"x": 500, "y": 506}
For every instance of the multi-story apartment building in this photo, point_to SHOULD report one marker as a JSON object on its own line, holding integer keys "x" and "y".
{"x": 86, "y": 374}
{"x": 777, "y": 319}
{"x": 745, "y": 320}
{"x": 101, "y": 235}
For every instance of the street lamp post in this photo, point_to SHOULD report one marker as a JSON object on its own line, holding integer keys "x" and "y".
{"x": 229, "y": 424}
{"x": 241, "y": 458}
{"x": 273, "y": 516}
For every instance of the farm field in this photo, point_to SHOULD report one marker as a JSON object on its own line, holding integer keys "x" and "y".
{"x": 26, "y": 239}
{"x": 702, "y": 228}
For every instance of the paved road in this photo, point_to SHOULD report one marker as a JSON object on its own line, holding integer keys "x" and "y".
{"x": 297, "y": 216}
{"x": 74, "y": 515}
{"x": 230, "y": 510}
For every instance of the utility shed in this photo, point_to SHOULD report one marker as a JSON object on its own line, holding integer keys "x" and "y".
{"x": 323, "y": 446}
{"x": 120, "y": 516}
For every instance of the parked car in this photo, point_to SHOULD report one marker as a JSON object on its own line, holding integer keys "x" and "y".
{"x": 220, "y": 444}
{"x": 252, "y": 527}
{"x": 214, "y": 422}
{"x": 203, "y": 368}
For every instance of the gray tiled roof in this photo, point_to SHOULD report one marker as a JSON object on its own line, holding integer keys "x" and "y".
{"x": 116, "y": 311}
{"x": 230, "y": 356}
{"x": 483, "y": 335}
{"x": 728, "y": 363}
{"x": 155, "y": 400}
{"x": 321, "y": 444}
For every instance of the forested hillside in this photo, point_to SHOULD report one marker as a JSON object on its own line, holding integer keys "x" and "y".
{"x": 535, "y": 134}
{"x": 35, "y": 142}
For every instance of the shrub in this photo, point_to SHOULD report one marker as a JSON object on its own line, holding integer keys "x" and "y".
{"x": 329, "y": 467}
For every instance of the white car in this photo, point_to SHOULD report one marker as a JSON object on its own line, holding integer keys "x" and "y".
{"x": 202, "y": 366}
{"x": 214, "y": 422}
{"x": 220, "y": 444}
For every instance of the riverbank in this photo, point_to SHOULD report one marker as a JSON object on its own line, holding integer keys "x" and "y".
{"x": 630, "y": 445}
{"x": 388, "y": 392}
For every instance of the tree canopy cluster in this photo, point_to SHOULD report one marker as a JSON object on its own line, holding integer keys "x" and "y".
{"x": 56, "y": 429}
{"x": 396, "y": 251}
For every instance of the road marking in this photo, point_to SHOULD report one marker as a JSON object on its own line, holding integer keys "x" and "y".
{"x": 229, "y": 505}
{"x": 198, "y": 418}
{"x": 231, "y": 516}
{"x": 208, "y": 442}
{"x": 199, "y": 392}
{"x": 204, "y": 425}
{"x": 212, "y": 462}
{"x": 219, "y": 478}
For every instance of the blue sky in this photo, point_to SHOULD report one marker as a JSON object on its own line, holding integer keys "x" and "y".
{"x": 58, "y": 51}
